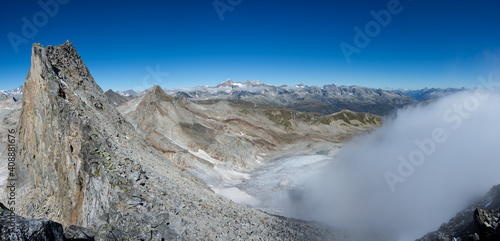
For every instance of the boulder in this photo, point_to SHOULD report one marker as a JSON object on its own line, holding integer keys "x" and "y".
{"x": 486, "y": 222}
{"x": 37, "y": 229}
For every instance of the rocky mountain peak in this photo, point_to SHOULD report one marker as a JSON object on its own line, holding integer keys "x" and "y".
{"x": 252, "y": 83}
{"x": 115, "y": 99}
{"x": 153, "y": 98}
{"x": 300, "y": 85}
{"x": 64, "y": 119}
{"x": 14, "y": 93}
{"x": 233, "y": 84}
{"x": 63, "y": 73}
{"x": 227, "y": 83}
{"x": 160, "y": 94}
{"x": 330, "y": 87}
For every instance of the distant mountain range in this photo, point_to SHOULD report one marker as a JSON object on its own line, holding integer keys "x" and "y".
{"x": 16, "y": 93}
{"x": 326, "y": 100}
{"x": 126, "y": 93}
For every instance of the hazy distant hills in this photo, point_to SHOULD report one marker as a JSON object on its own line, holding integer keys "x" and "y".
{"x": 325, "y": 100}
{"x": 429, "y": 94}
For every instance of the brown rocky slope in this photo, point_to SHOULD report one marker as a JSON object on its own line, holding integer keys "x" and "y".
{"x": 233, "y": 133}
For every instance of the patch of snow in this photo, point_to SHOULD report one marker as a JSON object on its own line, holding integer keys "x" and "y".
{"x": 488, "y": 204}
{"x": 63, "y": 82}
{"x": 232, "y": 177}
{"x": 237, "y": 195}
{"x": 203, "y": 155}
{"x": 179, "y": 145}
{"x": 206, "y": 126}
{"x": 259, "y": 159}
{"x": 242, "y": 133}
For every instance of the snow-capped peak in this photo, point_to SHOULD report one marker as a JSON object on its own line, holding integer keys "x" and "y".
{"x": 229, "y": 83}
{"x": 17, "y": 92}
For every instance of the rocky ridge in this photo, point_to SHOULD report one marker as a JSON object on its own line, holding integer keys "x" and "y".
{"x": 82, "y": 164}
{"x": 116, "y": 99}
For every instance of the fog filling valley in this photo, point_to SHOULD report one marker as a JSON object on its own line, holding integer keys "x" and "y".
{"x": 406, "y": 178}
{"x": 415, "y": 172}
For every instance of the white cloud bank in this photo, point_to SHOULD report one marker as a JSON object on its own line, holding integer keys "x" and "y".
{"x": 416, "y": 171}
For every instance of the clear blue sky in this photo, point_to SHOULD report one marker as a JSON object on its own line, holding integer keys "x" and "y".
{"x": 427, "y": 44}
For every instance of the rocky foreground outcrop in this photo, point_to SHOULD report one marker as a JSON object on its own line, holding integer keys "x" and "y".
{"x": 80, "y": 163}
{"x": 13, "y": 227}
{"x": 486, "y": 222}
{"x": 480, "y": 221}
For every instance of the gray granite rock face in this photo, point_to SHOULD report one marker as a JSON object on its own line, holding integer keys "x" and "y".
{"x": 13, "y": 227}
{"x": 80, "y": 163}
